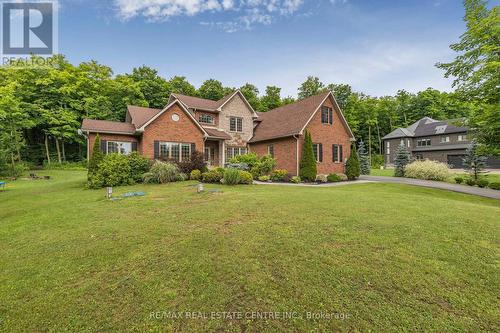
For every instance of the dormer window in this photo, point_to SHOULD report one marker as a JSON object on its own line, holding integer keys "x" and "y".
{"x": 206, "y": 119}
{"x": 326, "y": 115}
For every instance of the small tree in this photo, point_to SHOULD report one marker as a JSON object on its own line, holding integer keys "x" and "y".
{"x": 308, "y": 168}
{"x": 364, "y": 159}
{"x": 474, "y": 161}
{"x": 401, "y": 160}
{"x": 96, "y": 158}
{"x": 352, "y": 169}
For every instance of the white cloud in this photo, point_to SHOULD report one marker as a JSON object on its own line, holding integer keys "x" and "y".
{"x": 247, "y": 13}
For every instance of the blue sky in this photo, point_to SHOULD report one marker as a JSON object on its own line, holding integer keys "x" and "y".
{"x": 376, "y": 46}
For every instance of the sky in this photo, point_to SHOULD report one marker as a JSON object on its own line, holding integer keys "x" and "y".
{"x": 376, "y": 46}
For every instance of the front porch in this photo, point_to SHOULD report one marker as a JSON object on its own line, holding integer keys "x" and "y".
{"x": 214, "y": 152}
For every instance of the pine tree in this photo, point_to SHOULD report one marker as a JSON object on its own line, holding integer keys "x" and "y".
{"x": 96, "y": 157}
{"x": 401, "y": 160}
{"x": 364, "y": 159}
{"x": 474, "y": 161}
{"x": 352, "y": 169}
{"x": 308, "y": 168}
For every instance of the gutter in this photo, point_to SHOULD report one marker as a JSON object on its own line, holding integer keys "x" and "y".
{"x": 297, "y": 153}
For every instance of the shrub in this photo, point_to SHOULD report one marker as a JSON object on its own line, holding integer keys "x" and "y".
{"x": 162, "y": 172}
{"x": 246, "y": 178}
{"x": 138, "y": 166}
{"x": 428, "y": 170}
{"x": 470, "y": 181}
{"x": 495, "y": 185}
{"x": 195, "y": 175}
{"x": 482, "y": 182}
{"x": 321, "y": 178}
{"x": 16, "y": 170}
{"x": 96, "y": 158}
{"x": 279, "y": 175}
{"x": 264, "y": 166}
{"x": 400, "y": 161}
{"x": 296, "y": 179}
{"x": 114, "y": 170}
{"x": 182, "y": 177}
{"x": 352, "y": 169}
{"x": 66, "y": 165}
{"x": 231, "y": 177}
{"x": 238, "y": 166}
{"x": 459, "y": 180}
{"x": 343, "y": 177}
{"x": 213, "y": 176}
{"x": 264, "y": 178}
{"x": 474, "y": 162}
{"x": 333, "y": 178}
{"x": 308, "y": 168}
{"x": 377, "y": 161}
{"x": 364, "y": 159}
{"x": 250, "y": 159}
{"x": 195, "y": 162}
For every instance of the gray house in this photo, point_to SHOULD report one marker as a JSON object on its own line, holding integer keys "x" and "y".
{"x": 429, "y": 139}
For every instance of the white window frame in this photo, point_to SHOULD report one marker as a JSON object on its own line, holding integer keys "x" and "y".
{"x": 202, "y": 120}
{"x": 316, "y": 151}
{"x": 445, "y": 139}
{"x": 120, "y": 144}
{"x": 238, "y": 124}
{"x": 462, "y": 137}
{"x": 180, "y": 147}
{"x": 270, "y": 150}
{"x": 421, "y": 141}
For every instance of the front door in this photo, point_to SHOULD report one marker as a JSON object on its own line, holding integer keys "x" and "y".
{"x": 209, "y": 155}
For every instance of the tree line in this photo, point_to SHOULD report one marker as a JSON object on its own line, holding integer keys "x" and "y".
{"x": 42, "y": 107}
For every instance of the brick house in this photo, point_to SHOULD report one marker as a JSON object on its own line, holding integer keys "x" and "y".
{"x": 229, "y": 127}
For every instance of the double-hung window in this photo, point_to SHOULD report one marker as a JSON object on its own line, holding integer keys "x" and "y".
{"x": 270, "y": 150}
{"x": 119, "y": 147}
{"x": 175, "y": 151}
{"x": 318, "y": 152}
{"x": 337, "y": 153}
{"x": 234, "y": 151}
{"x": 326, "y": 115}
{"x": 387, "y": 147}
{"x": 236, "y": 124}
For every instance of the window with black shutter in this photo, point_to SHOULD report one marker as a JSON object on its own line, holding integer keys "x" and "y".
{"x": 320, "y": 152}
{"x": 341, "y": 153}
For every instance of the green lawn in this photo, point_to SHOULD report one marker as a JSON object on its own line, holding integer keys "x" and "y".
{"x": 390, "y": 173}
{"x": 389, "y": 257}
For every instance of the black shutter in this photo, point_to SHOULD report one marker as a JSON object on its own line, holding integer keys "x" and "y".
{"x": 341, "y": 154}
{"x": 334, "y": 153}
{"x": 134, "y": 146}
{"x": 321, "y": 152}
{"x": 104, "y": 143}
{"x": 330, "y": 116}
{"x": 193, "y": 148}
{"x": 157, "y": 150}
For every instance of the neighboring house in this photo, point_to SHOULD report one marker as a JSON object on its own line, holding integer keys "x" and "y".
{"x": 226, "y": 128}
{"x": 430, "y": 139}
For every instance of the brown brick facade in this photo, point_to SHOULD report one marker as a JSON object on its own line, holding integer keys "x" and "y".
{"x": 165, "y": 129}
{"x": 108, "y": 137}
{"x": 285, "y": 152}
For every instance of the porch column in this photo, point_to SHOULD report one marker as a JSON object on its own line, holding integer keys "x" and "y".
{"x": 222, "y": 147}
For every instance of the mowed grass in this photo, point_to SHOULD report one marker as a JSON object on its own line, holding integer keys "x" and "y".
{"x": 387, "y": 257}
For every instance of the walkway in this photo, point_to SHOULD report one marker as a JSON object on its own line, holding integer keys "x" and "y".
{"x": 483, "y": 192}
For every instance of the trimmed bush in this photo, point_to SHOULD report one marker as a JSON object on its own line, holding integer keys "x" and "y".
{"x": 264, "y": 178}
{"x": 459, "y": 180}
{"x": 308, "y": 168}
{"x": 352, "y": 168}
{"x": 195, "y": 175}
{"x": 279, "y": 175}
{"x": 482, "y": 182}
{"x": 470, "y": 181}
{"x": 494, "y": 186}
{"x": 428, "y": 170}
{"x": 321, "y": 178}
{"x": 114, "y": 170}
{"x": 213, "y": 176}
{"x": 231, "y": 177}
{"x": 246, "y": 178}
{"x": 138, "y": 166}
{"x": 163, "y": 172}
{"x": 295, "y": 179}
{"x": 333, "y": 178}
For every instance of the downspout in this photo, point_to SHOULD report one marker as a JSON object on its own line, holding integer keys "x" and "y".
{"x": 297, "y": 153}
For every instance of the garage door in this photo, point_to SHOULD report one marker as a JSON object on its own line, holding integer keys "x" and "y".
{"x": 455, "y": 161}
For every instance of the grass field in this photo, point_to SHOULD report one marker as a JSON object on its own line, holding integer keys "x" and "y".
{"x": 386, "y": 257}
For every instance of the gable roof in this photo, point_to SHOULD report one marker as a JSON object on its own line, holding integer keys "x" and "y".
{"x": 425, "y": 127}
{"x": 196, "y": 102}
{"x": 291, "y": 119}
{"x": 140, "y": 115}
{"x": 106, "y": 126}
